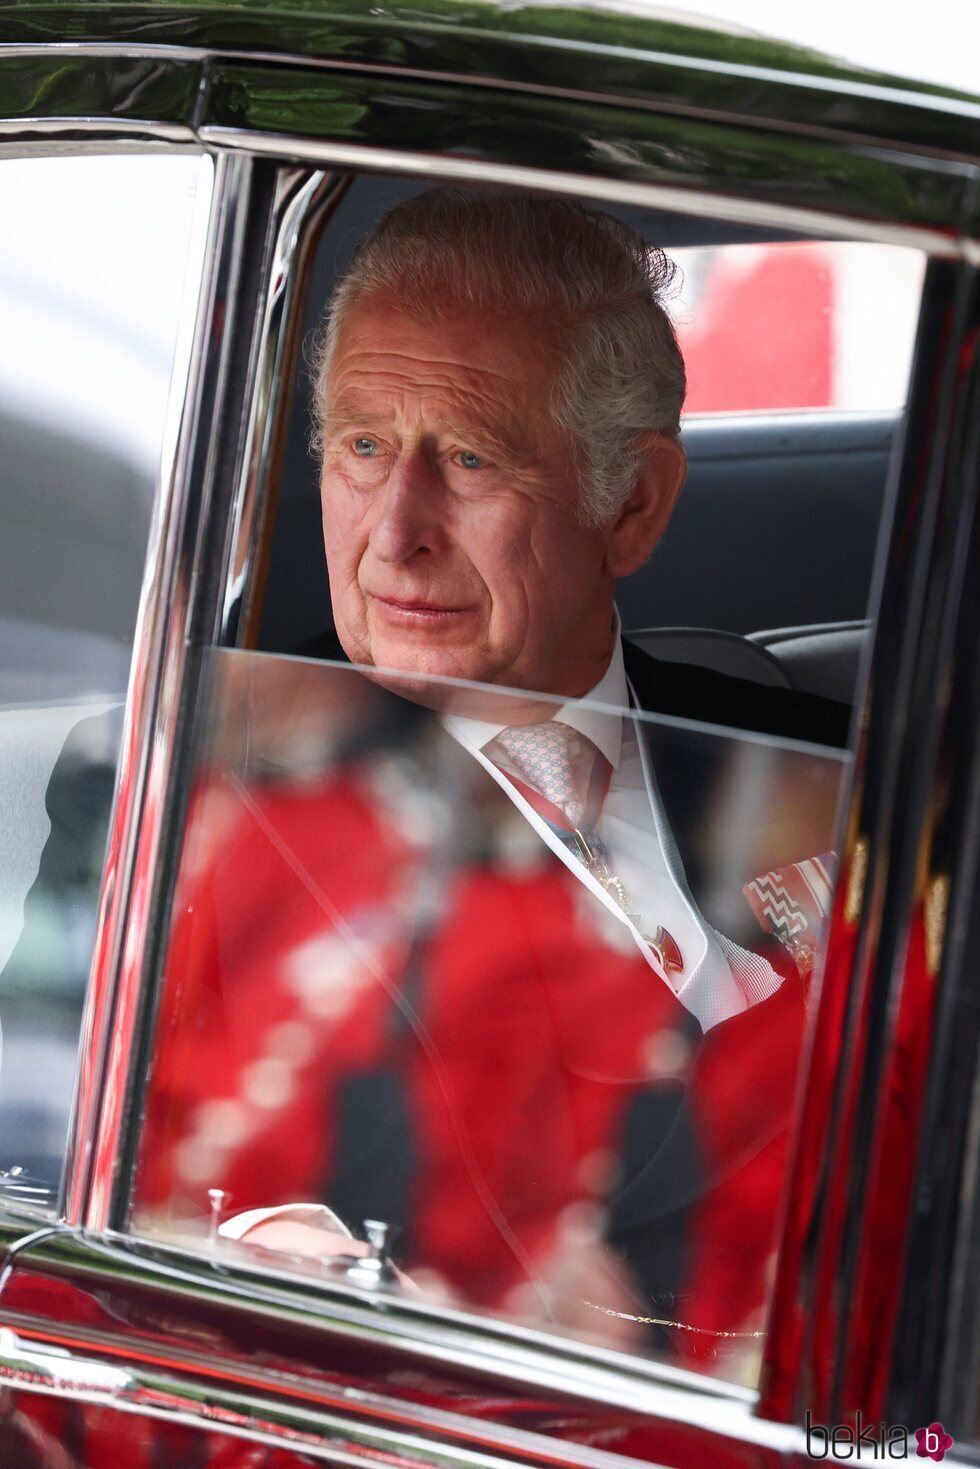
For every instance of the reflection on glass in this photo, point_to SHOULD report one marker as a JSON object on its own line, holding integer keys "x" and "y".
{"x": 395, "y": 990}
{"x": 90, "y": 322}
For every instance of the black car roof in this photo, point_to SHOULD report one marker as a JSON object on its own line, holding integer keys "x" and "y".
{"x": 485, "y": 39}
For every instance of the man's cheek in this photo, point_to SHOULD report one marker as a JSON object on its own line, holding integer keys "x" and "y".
{"x": 349, "y": 601}
{"x": 351, "y": 624}
{"x": 346, "y": 597}
{"x": 509, "y": 551}
{"x": 342, "y": 574}
{"x": 345, "y": 536}
{"x": 511, "y": 603}
{"x": 343, "y": 496}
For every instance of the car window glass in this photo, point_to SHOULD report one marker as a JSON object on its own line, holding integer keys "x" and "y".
{"x": 452, "y": 1014}
{"x": 543, "y": 1075}
{"x": 93, "y": 257}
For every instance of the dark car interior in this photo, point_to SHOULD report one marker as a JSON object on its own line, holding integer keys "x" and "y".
{"x": 766, "y": 568}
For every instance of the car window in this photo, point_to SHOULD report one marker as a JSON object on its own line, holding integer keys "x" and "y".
{"x": 776, "y": 326}
{"x": 518, "y": 999}
{"x": 91, "y": 285}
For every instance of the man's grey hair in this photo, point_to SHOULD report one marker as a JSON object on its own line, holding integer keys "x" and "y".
{"x": 591, "y": 277}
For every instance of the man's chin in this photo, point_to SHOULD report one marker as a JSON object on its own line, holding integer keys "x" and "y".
{"x": 400, "y": 681}
{"x": 448, "y": 683}
{"x": 433, "y": 684}
{"x": 467, "y": 695}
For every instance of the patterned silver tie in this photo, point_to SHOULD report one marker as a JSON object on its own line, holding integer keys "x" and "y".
{"x": 543, "y": 754}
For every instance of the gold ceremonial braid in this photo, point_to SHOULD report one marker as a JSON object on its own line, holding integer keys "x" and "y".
{"x": 660, "y": 941}
{"x": 662, "y": 1321}
{"x": 600, "y": 871}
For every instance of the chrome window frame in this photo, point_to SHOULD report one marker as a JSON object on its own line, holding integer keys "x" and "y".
{"x": 148, "y": 754}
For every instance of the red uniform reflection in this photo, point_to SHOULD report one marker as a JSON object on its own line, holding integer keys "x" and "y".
{"x": 446, "y": 1031}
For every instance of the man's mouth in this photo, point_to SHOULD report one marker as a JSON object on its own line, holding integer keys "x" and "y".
{"x": 419, "y": 610}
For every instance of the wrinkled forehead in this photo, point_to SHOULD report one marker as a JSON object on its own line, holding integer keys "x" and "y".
{"x": 469, "y": 328}
{"x": 492, "y": 371}
{"x": 501, "y": 318}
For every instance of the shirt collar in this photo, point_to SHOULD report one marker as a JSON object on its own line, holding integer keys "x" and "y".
{"x": 602, "y": 726}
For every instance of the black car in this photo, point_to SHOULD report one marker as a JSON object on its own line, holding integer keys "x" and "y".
{"x": 230, "y": 865}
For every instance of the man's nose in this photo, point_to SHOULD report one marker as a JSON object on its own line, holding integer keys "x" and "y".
{"x": 407, "y": 520}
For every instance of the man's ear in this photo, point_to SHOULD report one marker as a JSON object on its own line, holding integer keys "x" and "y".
{"x": 641, "y": 522}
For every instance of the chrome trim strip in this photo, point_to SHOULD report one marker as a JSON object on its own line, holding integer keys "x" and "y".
{"x": 284, "y": 1425}
{"x": 792, "y": 420}
{"x": 164, "y": 132}
{"x": 56, "y": 1368}
{"x": 622, "y": 191}
{"x": 300, "y": 201}
{"x": 234, "y": 1294}
{"x": 327, "y": 155}
{"x": 625, "y": 191}
{"x": 22, "y": 1242}
{"x": 156, "y": 686}
{"x": 629, "y": 1384}
{"x": 451, "y": 1335}
{"x": 150, "y": 51}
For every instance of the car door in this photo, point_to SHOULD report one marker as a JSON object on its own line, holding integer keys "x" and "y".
{"x": 187, "y": 1351}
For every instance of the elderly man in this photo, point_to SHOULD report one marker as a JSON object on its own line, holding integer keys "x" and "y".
{"x": 498, "y": 397}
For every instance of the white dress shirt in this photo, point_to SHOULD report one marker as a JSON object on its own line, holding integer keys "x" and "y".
{"x": 718, "y": 979}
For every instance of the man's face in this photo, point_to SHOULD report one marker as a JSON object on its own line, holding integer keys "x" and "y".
{"x": 449, "y": 506}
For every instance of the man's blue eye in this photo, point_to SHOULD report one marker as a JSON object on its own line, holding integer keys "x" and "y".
{"x": 471, "y": 461}
{"x": 365, "y": 447}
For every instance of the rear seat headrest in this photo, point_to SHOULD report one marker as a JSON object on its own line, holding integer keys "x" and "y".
{"x": 725, "y": 652}
{"x": 822, "y": 658}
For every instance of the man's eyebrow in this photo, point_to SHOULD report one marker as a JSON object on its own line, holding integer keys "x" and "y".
{"x": 507, "y": 447}
{"x": 349, "y": 417}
